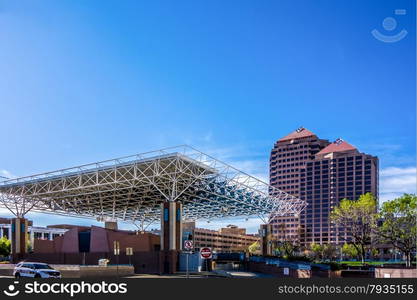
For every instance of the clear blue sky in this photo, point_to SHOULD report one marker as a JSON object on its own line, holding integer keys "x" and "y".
{"x": 83, "y": 81}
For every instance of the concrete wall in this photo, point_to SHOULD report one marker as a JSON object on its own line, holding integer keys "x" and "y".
{"x": 148, "y": 262}
{"x": 6, "y": 269}
{"x": 109, "y": 271}
{"x": 140, "y": 242}
{"x": 70, "y": 242}
{"x": 277, "y": 271}
{"x": 326, "y": 274}
{"x": 395, "y": 273}
{"x": 77, "y": 271}
{"x": 99, "y": 241}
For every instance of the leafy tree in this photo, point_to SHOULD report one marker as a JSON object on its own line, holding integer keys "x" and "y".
{"x": 5, "y": 246}
{"x": 254, "y": 248}
{"x": 359, "y": 218}
{"x": 317, "y": 250}
{"x": 324, "y": 251}
{"x": 29, "y": 247}
{"x": 289, "y": 246}
{"x": 329, "y": 251}
{"x": 288, "y": 249}
{"x": 350, "y": 250}
{"x": 399, "y": 226}
{"x": 374, "y": 252}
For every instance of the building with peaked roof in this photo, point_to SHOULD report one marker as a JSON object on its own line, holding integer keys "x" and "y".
{"x": 337, "y": 172}
{"x": 298, "y": 134}
{"x": 289, "y": 155}
{"x": 338, "y": 146}
{"x": 322, "y": 174}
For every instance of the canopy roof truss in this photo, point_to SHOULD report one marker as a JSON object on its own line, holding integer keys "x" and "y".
{"x": 132, "y": 188}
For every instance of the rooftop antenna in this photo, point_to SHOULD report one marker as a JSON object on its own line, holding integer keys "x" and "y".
{"x": 299, "y": 129}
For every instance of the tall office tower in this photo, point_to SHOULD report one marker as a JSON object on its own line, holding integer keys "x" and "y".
{"x": 288, "y": 157}
{"x": 337, "y": 172}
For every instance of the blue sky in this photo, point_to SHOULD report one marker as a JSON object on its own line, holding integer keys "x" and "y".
{"x": 83, "y": 81}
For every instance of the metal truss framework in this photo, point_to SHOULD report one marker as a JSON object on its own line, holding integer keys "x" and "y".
{"x": 131, "y": 189}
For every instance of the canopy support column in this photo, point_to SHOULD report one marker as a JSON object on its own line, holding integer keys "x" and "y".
{"x": 266, "y": 239}
{"x": 19, "y": 237}
{"x": 171, "y": 234}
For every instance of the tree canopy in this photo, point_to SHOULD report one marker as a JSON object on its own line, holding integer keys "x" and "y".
{"x": 5, "y": 246}
{"x": 399, "y": 226}
{"x": 359, "y": 219}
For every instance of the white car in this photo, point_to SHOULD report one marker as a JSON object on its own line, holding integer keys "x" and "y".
{"x": 35, "y": 270}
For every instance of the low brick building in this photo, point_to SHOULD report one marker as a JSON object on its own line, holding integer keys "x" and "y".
{"x": 229, "y": 239}
{"x": 81, "y": 239}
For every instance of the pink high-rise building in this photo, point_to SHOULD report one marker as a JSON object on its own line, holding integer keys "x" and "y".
{"x": 322, "y": 174}
{"x": 289, "y": 155}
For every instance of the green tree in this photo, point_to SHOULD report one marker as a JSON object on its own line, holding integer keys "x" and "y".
{"x": 254, "y": 248}
{"x": 324, "y": 251}
{"x": 329, "y": 251}
{"x": 317, "y": 250}
{"x": 359, "y": 218}
{"x": 289, "y": 246}
{"x": 350, "y": 250}
{"x": 288, "y": 249}
{"x": 399, "y": 226}
{"x": 5, "y": 246}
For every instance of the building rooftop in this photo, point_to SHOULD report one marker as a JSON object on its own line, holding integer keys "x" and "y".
{"x": 297, "y": 134}
{"x": 337, "y": 146}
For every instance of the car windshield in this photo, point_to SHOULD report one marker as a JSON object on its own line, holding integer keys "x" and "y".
{"x": 41, "y": 266}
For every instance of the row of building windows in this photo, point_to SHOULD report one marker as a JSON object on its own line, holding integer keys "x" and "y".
{"x": 292, "y": 153}
{"x": 299, "y": 146}
{"x": 284, "y": 219}
{"x": 292, "y": 159}
{"x": 325, "y": 184}
{"x": 340, "y": 159}
{"x": 286, "y": 176}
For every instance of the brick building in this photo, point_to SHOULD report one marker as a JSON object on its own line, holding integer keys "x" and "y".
{"x": 337, "y": 172}
{"x": 229, "y": 239}
{"x": 321, "y": 173}
{"x": 83, "y": 239}
{"x": 289, "y": 155}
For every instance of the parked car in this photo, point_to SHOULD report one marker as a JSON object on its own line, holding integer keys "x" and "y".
{"x": 35, "y": 270}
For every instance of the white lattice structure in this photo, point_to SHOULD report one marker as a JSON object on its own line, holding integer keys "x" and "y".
{"x": 132, "y": 188}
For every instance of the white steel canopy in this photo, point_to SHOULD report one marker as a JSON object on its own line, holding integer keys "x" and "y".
{"x": 132, "y": 188}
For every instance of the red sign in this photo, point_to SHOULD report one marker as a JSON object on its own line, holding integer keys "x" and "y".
{"x": 188, "y": 245}
{"x": 205, "y": 252}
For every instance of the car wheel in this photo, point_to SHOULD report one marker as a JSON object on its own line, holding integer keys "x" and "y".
{"x": 17, "y": 275}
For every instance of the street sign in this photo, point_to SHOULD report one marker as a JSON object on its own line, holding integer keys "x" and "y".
{"x": 188, "y": 245}
{"x": 206, "y": 253}
{"x": 286, "y": 271}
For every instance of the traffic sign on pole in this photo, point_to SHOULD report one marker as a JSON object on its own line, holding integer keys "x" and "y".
{"x": 188, "y": 245}
{"x": 206, "y": 253}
